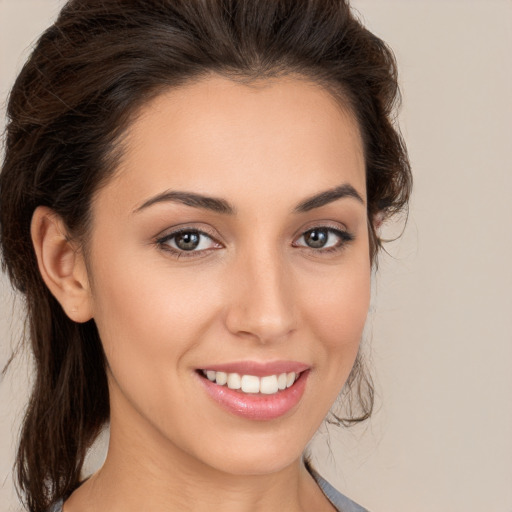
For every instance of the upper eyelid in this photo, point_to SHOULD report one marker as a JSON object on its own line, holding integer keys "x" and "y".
{"x": 330, "y": 225}
{"x": 332, "y": 229}
{"x": 344, "y": 234}
{"x": 168, "y": 234}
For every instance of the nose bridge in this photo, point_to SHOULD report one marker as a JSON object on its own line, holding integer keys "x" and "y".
{"x": 262, "y": 300}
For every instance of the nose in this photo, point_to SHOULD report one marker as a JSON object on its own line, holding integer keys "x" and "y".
{"x": 261, "y": 304}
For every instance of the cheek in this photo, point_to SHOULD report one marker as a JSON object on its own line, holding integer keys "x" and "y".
{"x": 337, "y": 312}
{"x": 148, "y": 322}
{"x": 149, "y": 315}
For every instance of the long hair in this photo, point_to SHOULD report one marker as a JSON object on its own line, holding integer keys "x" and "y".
{"x": 88, "y": 74}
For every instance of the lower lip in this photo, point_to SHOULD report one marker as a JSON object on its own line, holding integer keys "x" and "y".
{"x": 257, "y": 406}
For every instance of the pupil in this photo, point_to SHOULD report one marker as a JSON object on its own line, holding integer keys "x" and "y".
{"x": 316, "y": 238}
{"x": 187, "y": 241}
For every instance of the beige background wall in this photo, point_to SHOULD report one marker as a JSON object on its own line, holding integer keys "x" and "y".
{"x": 441, "y": 439}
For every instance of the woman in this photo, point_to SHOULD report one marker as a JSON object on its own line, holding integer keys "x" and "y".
{"x": 190, "y": 201}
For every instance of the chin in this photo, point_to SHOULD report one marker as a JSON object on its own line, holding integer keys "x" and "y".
{"x": 265, "y": 462}
{"x": 257, "y": 455}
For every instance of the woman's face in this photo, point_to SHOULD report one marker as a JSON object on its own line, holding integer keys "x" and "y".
{"x": 233, "y": 240}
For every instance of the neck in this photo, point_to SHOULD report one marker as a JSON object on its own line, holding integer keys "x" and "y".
{"x": 146, "y": 487}
{"x": 144, "y": 471}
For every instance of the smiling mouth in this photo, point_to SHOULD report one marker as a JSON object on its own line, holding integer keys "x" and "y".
{"x": 251, "y": 384}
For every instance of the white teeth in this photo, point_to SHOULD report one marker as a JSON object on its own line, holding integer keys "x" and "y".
{"x": 267, "y": 385}
{"x": 250, "y": 384}
{"x": 234, "y": 381}
{"x": 290, "y": 379}
{"x": 221, "y": 378}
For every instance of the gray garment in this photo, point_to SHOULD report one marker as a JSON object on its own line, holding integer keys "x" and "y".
{"x": 341, "y": 502}
{"x": 57, "y": 507}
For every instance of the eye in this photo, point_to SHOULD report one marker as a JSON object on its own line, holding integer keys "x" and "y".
{"x": 324, "y": 238}
{"x": 187, "y": 241}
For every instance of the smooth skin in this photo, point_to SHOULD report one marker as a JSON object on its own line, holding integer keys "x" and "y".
{"x": 256, "y": 287}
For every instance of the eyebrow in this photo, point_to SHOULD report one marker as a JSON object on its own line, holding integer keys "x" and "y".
{"x": 328, "y": 196}
{"x": 190, "y": 199}
{"x": 224, "y": 207}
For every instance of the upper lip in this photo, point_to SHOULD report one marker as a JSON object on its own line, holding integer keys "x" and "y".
{"x": 257, "y": 368}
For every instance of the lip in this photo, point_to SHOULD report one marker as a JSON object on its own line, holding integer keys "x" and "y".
{"x": 257, "y": 406}
{"x": 258, "y": 369}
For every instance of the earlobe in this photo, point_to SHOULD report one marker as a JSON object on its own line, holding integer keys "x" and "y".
{"x": 61, "y": 265}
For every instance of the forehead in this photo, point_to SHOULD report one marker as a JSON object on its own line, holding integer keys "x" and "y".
{"x": 217, "y": 135}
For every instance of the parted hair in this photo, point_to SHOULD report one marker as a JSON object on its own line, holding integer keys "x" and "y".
{"x": 84, "y": 81}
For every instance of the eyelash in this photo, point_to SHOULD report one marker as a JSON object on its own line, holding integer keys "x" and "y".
{"x": 344, "y": 238}
{"x": 163, "y": 243}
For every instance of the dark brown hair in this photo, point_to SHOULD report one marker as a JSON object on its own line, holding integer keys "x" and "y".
{"x": 87, "y": 76}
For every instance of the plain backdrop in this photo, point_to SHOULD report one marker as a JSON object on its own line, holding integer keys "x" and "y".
{"x": 440, "y": 331}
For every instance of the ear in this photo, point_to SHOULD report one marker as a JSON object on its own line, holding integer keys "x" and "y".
{"x": 61, "y": 264}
